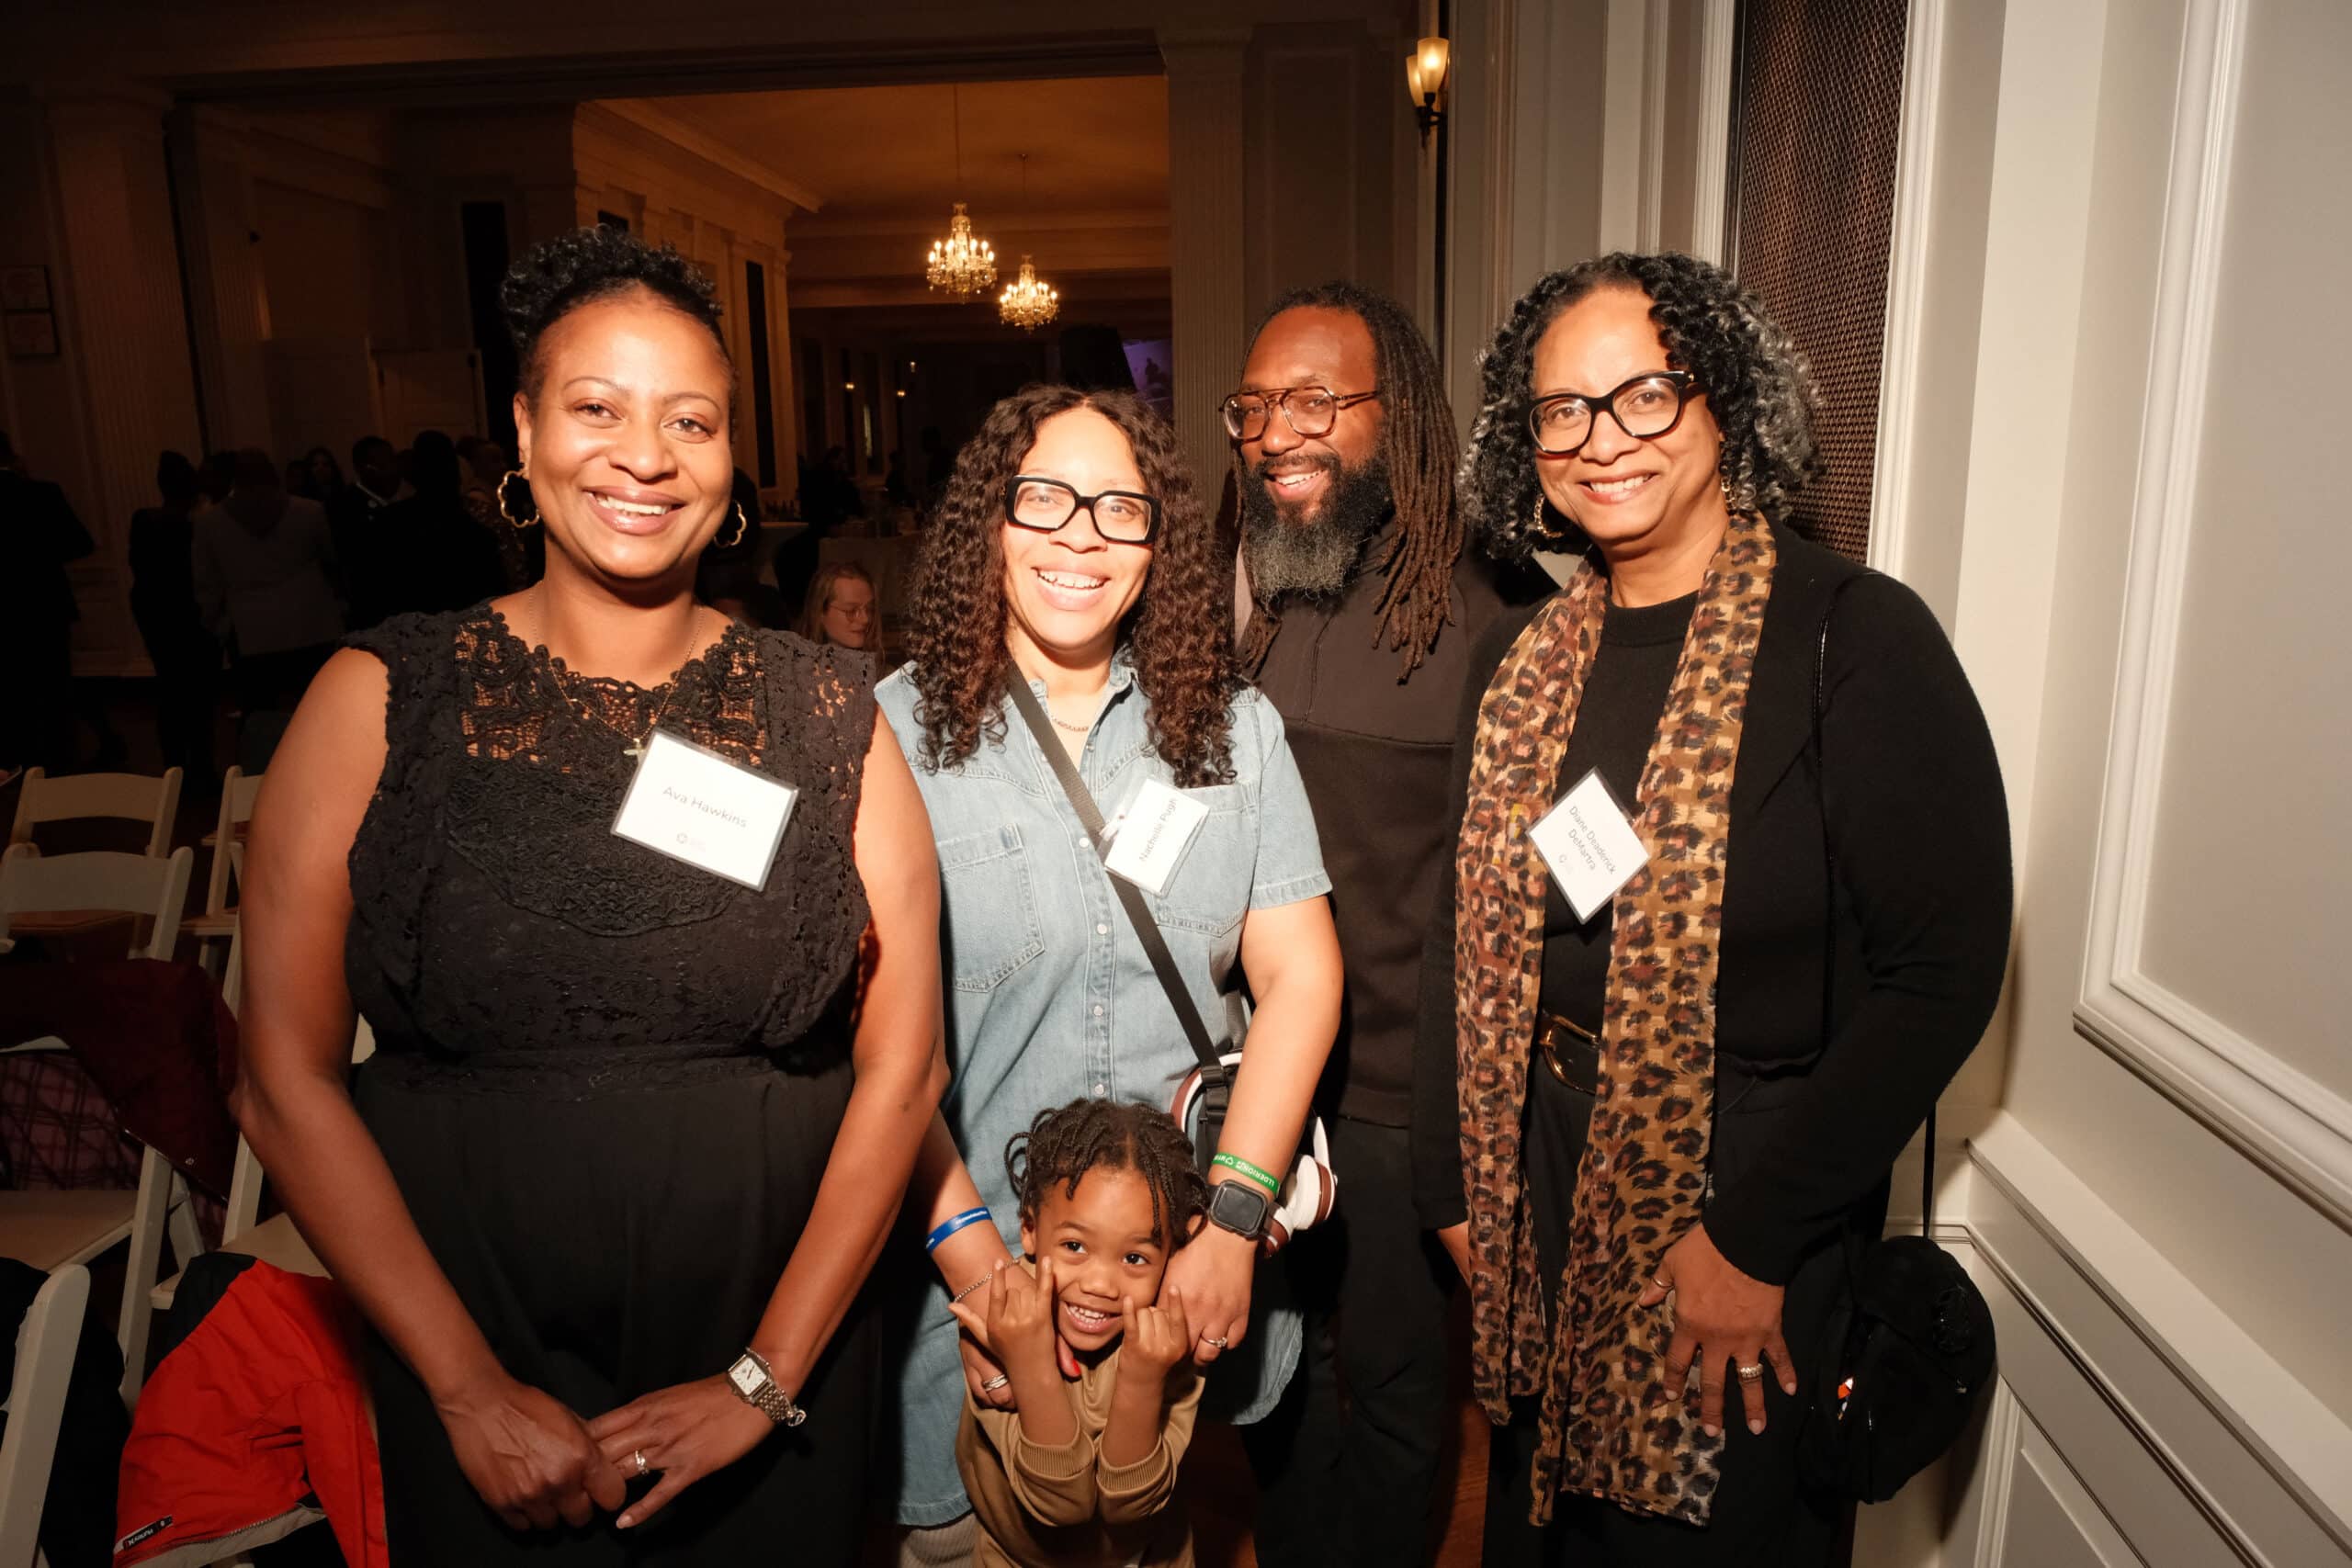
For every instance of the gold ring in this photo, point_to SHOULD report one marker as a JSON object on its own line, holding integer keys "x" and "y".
{"x": 1752, "y": 1372}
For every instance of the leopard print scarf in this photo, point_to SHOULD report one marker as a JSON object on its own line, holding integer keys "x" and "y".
{"x": 1606, "y": 1431}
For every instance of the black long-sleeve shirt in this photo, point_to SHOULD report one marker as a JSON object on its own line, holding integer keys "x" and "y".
{"x": 1910, "y": 791}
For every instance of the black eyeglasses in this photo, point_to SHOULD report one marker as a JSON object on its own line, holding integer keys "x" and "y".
{"x": 1121, "y": 517}
{"x": 1309, "y": 410}
{"x": 1645, "y": 407}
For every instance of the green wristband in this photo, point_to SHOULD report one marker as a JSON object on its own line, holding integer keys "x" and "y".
{"x": 1258, "y": 1174}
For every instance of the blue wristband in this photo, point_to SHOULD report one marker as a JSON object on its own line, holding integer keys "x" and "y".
{"x": 950, "y": 1226}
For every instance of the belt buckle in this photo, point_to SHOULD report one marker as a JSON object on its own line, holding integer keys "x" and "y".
{"x": 1548, "y": 1027}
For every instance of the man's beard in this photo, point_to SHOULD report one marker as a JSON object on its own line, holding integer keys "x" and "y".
{"x": 1315, "y": 559}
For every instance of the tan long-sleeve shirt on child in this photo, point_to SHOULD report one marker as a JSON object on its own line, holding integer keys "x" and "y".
{"x": 1045, "y": 1507}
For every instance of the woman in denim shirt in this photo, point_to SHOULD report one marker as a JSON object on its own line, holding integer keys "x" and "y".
{"x": 1070, "y": 552}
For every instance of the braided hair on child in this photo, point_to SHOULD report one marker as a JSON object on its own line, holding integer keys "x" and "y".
{"x": 1062, "y": 1145}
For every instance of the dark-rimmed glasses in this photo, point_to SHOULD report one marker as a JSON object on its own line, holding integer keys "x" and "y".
{"x": 1646, "y": 406}
{"x": 1121, "y": 516}
{"x": 1309, "y": 410}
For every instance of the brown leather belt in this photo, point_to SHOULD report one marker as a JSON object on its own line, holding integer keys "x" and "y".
{"x": 1571, "y": 1051}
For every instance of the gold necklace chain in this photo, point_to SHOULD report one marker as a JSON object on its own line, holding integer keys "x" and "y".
{"x": 637, "y": 748}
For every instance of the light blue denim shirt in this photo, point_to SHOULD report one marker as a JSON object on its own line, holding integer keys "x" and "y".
{"x": 1050, "y": 997}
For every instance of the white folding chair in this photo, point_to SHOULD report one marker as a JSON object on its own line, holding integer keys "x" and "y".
{"x": 273, "y": 1240}
{"x": 134, "y": 797}
{"x": 45, "y": 1345}
{"x": 51, "y": 1229}
{"x": 218, "y": 923}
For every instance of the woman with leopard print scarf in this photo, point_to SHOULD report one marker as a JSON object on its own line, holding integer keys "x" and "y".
{"x": 1644, "y": 1136}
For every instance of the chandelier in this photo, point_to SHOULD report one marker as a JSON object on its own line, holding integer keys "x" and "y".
{"x": 1028, "y": 303}
{"x": 961, "y": 264}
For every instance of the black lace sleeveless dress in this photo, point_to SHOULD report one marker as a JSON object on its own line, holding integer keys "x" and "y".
{"x": 607, "y": 1082}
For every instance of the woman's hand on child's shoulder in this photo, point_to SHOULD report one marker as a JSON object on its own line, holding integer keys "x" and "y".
{"x": 1157, "y": 1336}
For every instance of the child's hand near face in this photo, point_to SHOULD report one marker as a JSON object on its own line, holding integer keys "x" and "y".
{"x": 1157, "y": 1336}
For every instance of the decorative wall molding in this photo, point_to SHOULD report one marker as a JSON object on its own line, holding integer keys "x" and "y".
{"x": 2279, "y": 1116}
{"x": 1901, "y": 360}
{"x": 684, "y": 137}
{"x": 1718, "y": 37}
{"x": 1656, "y": 64}
{"x": 2222, "y": 1439}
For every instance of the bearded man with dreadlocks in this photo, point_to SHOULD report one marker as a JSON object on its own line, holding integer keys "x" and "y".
{"x": 1363, "y": 608}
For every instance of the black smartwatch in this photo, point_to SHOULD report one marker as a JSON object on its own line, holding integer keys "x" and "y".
{"x": 1239, "y": 1207}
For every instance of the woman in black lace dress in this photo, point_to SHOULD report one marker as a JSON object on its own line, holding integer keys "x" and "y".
{"x": 629, "y": 1119}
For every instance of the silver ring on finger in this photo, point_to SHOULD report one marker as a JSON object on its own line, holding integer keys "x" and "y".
{"x": 1215, "y": 1341}
{"x": 639, "y": 1458}
{"x": 1752, "y": 1372}
{"x": 996, "y": 1382}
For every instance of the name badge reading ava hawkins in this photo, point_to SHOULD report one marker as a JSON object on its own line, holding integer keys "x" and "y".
{"x": 693, "y": 805}
{"x": 1588, "y": 845}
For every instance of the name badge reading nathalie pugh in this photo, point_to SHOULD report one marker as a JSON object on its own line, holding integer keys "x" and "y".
{"x": 1150, "y": 834}
{"x": 1588, "y": 845}
{"x": 693, "y": 805}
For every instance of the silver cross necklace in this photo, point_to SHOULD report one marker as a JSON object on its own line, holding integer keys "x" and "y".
{"x": 637, "y": 748}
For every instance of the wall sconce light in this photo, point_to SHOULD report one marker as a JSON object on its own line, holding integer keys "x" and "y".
{"x": 849, "y": 385}
{"x": 1425, "y": 73}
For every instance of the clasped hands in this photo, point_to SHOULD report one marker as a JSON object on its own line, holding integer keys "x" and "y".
{"x": 537, "y": 1464}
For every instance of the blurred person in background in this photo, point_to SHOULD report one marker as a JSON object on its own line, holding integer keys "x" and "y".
{"x": 163, "y": 602}
{"x": 39, "y": 534}
{"x": 266, "y": 570}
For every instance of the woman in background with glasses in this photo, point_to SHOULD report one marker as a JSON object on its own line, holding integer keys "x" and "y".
{"x": 1069, "y": 553}
{"x": 1649, "y": 1116}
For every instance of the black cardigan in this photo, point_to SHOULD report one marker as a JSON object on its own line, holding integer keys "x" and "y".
{"x": 1919, "y": 826}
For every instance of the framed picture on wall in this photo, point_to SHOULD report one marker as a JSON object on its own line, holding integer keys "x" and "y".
{"x": 23, "y": 289}
{"x": 31, "y": 334}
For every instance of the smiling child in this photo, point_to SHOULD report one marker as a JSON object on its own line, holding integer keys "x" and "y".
{"x": 1084, "y": 1468}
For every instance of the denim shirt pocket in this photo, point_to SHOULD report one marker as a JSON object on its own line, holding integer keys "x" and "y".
{"x": 1210, "y": 892}
{"x": 989, "y": 926}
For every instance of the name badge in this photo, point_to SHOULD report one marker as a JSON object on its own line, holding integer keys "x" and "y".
{"x": 1150, "y": 834}
{"x": 1589, "y": 846}
{"x": 693, "y": 805}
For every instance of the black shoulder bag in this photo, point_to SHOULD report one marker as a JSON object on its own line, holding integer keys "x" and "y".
{"x": 1309, "y": 1188}
{"x": 1907, "y": 1349}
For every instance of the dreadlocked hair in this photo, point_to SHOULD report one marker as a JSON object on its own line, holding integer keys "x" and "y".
{"x": 1417, "y": 445}
{"x": 1062, "y": 1145}
{"x": 1180, "y": 631}
{"x": 1755, "y": 381}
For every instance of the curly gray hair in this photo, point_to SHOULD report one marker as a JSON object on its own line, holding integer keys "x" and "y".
{"x": 1755, "y": 382}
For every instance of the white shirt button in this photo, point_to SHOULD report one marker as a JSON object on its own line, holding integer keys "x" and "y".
{"x": 1098, "y": 1010}
{"x": 1099, "y": 1089}
{"x": 1101, "y": 930}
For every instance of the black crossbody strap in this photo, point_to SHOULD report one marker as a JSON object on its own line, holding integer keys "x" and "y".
{"x": 1829, "y": 864}
{"x": 1155, "y": 946}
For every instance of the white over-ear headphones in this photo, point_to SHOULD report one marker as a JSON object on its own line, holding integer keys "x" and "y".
{"x": 1310, "y": 1189}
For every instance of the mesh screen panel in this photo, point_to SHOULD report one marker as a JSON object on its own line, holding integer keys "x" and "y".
{"x": 1819, "y": 91}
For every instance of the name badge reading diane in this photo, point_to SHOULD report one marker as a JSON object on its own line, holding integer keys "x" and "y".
{"x": 1588, "y": 845}
{"x": 693, "y": 805}
{"x": 1150, "y": 834}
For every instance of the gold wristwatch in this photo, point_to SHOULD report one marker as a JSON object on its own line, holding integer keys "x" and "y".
{"x": 751, "y": 1379}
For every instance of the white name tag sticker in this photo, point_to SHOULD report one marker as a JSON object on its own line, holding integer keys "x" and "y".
{"x": 1150, "y": 834}
{"x": 1589, "y": 846}
{"x": 695, "y": 806}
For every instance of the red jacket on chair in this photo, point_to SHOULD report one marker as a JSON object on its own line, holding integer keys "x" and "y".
{"x": 252, "y": 1426}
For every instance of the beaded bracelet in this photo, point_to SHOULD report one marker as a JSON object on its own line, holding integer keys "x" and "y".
{"x": 948, "y": 1227}
{"x": 1258, "y": 1174}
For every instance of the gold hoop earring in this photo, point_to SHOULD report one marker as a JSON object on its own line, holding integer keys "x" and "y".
{"x": 742, "y": 526}
{"x": 505, "y": 509}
